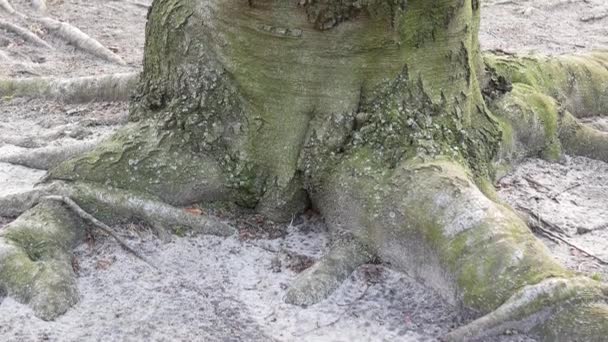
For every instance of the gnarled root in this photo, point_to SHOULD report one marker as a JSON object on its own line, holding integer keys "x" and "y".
{"x": 432, "y": 222}
{"x": 108, "y": 204}
{"x": 114, "y": 205}
{"x": 324, "y": 277}
{"x": 36, "y": 262}
{"x": 142, "y": 158}
{"x": 582, "y": 140}
{"x": 577, "y": 82}
{"x": 35, "y": 259}
{"x": 115, "y": 87}
{"x": 536, "y": 308}
{"x": 533, "y": 125}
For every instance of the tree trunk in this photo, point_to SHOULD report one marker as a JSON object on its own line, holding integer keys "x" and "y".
{"x": 371, "y": 112}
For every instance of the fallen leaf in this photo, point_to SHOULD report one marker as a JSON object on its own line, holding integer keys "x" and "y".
{"x": 194, "y": 211}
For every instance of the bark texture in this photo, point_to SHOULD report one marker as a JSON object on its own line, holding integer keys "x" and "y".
{"x": 382, "y": 115}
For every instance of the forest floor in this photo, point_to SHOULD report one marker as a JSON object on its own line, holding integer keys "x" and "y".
{"x": 231, "y": 289}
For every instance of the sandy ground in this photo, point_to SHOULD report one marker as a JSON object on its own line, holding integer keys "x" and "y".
{"x": 213, "y": 289}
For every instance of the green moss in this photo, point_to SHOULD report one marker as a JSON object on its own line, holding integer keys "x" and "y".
{"x": 530, "y": 124}
{"x": 582, "y": 140}
{"x": 576, "y": 81}
{"x": 35, "y": 266}
{"x": 146, "y": 159}
{"x": 45, "y": 232}
{"x": 576, "y": 322}
{"x": 17, "y": 274}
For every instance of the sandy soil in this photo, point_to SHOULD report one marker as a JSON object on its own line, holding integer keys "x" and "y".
{"x": 213, "y": 289}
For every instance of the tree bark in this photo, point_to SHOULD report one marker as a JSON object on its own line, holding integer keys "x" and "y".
{"x": 383, "y": 116}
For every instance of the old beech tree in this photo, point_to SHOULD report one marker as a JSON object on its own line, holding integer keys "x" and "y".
{"x": 383, "y": 115}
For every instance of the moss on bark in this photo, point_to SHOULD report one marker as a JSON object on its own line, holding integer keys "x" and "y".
{"x": 371, "y": 110}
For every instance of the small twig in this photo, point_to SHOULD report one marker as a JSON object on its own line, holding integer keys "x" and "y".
{"x": 535, "y": 184}
{"x": 540, "y": 221}
{"x": 102, "y": 226}
{"x": 537, "y": 226}
{"x": 572, "y": 187}
{"x": 582, "y": 230}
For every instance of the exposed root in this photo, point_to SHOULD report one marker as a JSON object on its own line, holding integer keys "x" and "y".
{"x": 41, "y": 140}
{"x": 534, "y": 125}
{"x": 46, "y": 158}
{"x": 8, "y": 8}
{"x": 74, "y": 36}
{"x": 36, "y": 261}
{"x": 431, "y": 221}
{"x": 582, "y": 140}
{"x": 17, "y": 204}
{"x": 24, "y": 33}
{"x": 138, "y": 158}
{"x": 577, "y": 82}
{"x": 88, "y": 217}
{"x": 111, "y": 204}
{"x": 115, "y": 87}
{"x": 35, "y": 249}
{"x": 324, "y": 277}
{"x": 533, "y": 306}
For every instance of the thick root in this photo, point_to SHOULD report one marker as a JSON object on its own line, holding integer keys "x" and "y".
{"x": 46, "y": 158}
{"x": 35, "y": 249}
{"x": 530, "y": 124}
{"x": 24, "y": 33}
{"x": 534, "y": 309}
{"x": 429, "y": 220}
{"x": 582, "y": 140}
{"x": 577, "y": 82}
{"x": 80, "y": 39}
{"x": 141, "y": 158}
{"x": 323, "y": 278}
{"x": 35, "y": 259}
{"x": 116, "y": 87}
{"x": 115, "y": 205}
{"x": 17, "y": 204}
{"x": 533, "y": 125}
